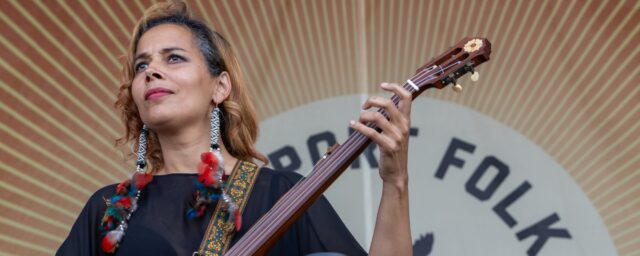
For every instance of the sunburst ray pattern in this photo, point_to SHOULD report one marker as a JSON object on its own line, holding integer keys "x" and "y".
{"x": 565, "y": 74}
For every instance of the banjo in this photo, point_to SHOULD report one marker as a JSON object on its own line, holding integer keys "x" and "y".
{"x": 440, "y": 72}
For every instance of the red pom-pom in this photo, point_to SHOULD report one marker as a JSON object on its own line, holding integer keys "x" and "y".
{"x": 107, "y": 246}
{"x": 207, "y": 178}
{"x": 122, "y": 187}
{"x": 142, "y": 179}
{"x": 237, "y": 219}
{"x": 209, "y": 158}
{"x": 203, "y": 167}
{"x": 125, "y": 202}
{"x": 110, "y": 240}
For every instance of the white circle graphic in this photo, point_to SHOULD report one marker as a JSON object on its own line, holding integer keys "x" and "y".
{"x": 477, "y": 187}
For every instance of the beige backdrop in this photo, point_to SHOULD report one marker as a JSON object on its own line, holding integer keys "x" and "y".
{"x": 565, "y": 74}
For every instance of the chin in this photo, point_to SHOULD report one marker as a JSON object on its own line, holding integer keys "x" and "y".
{"x": 158, "y": 117}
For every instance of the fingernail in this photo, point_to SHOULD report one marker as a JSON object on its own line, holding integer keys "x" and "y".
{"x": 352, "y": 122}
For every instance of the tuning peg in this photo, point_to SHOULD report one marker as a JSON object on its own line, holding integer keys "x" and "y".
{"x": 457, "y": 88}
{"x": 475, "y": 76}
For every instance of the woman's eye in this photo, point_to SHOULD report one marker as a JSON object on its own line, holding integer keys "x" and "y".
{"x": 141, "y": 67}
{"x": 175, "y": 58}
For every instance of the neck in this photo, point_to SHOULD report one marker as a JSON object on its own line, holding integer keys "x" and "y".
{"x": 181, "y": 150}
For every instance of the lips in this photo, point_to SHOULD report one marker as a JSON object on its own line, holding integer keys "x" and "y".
{"x": 156, "y": 93}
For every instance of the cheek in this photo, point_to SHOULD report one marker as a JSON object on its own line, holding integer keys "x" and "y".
{"x": 137, "y": 91}
{"x": 194, "y": 87}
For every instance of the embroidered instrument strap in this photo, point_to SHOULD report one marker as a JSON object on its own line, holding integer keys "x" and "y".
{"x": 220, "y": 231}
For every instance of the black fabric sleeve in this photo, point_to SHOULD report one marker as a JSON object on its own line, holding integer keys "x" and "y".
{"x": 84, "y": 237}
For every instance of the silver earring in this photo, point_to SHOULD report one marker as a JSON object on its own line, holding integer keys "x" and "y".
{"x": 214, "y": 146}
{"x": 141, "y": 163}
{"x": 125, "y": 201}
{"x": 210, "y": 186}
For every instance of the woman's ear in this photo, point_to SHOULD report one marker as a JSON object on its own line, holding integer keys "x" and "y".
{"x": 222, "y": 87}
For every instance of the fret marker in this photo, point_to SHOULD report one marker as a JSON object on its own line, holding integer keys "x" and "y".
{"x": 413, "y": 85}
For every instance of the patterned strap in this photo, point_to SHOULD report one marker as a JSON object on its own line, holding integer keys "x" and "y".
{"x": 220, "y": 231}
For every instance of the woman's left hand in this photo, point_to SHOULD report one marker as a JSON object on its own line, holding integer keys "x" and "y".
{"x": 392, "y": 233}
{"x": 393, "y": 142}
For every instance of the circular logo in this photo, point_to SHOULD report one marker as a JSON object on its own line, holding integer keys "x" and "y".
{"x": 477, "y": 187}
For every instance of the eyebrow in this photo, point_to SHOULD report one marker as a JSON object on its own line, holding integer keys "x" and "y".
{"x": 163, "y": 51}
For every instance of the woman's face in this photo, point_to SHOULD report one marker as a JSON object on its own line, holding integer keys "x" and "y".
{"x": 172, "y": 86}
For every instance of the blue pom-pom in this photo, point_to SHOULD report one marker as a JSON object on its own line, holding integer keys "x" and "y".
{"x": 115, "y": 199}
{"x": 133, "y": 191}
{"x": 192, "y": 214}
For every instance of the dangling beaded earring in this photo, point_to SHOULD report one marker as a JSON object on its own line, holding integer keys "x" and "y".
{"x": 210, "y": 185}
{"x": 125, "y": 201}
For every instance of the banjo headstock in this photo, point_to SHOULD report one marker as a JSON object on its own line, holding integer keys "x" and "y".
{"x": 456, "y": 62}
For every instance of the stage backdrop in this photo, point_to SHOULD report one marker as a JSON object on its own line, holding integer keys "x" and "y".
{"x": 540, "y": 156}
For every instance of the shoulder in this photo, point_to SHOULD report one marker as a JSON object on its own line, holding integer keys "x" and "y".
{"x": 280, "y": 176}
{"x": 282, "y": 179}
{"x": 96, "y": 201}
{"x": 275, "y": 183}
{"x": 83, "y": 238}
{"x": 104, "y": 192}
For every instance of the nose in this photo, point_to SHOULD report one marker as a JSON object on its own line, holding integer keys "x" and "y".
{"x": 152, "y": 74}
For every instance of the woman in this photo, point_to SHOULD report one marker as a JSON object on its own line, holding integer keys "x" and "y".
{"x": 181, "y": 81}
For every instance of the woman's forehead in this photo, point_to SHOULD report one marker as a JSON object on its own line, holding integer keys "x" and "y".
{"x": 165, "y": 36}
